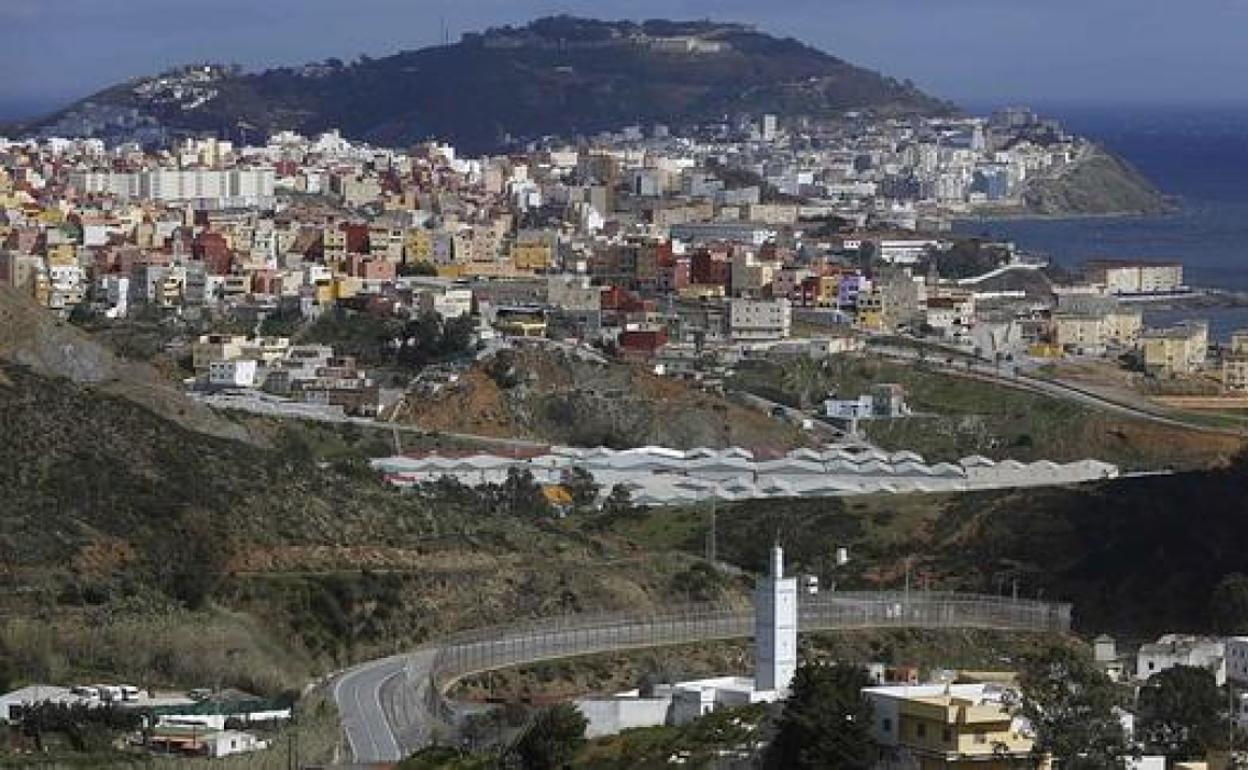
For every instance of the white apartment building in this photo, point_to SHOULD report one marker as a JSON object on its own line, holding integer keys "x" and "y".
{"x": 1128, "y": 277}
{"x": 239, "y": 187}
{"x": 904, "y": 252}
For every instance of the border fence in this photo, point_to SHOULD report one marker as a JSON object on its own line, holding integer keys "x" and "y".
{"x": 574, "y": 635}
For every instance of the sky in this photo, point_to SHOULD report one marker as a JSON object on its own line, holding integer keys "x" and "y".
{"x": 977, "y": 52}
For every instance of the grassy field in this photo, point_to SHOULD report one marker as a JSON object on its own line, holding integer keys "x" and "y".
{"x": 955, "y": 417}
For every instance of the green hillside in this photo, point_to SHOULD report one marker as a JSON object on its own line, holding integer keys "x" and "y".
{"x": 1137, "y": 557}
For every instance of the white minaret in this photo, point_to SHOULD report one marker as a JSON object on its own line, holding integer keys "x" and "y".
{"x": 775, "y": 627}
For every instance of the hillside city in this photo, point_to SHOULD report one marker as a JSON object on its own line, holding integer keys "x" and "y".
{"x": 418, "y": 294}
{"x": 674, "y": 250}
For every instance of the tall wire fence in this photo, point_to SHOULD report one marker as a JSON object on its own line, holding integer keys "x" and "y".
{"x": 587, "y": 634}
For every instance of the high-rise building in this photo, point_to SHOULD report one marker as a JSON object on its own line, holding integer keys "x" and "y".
{"x": 769, "y": 128}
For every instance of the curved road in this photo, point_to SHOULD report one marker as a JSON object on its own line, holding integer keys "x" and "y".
{"x": 388, "y": 708}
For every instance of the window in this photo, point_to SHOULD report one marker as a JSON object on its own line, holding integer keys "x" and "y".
{"x": 946, "y": 735}
{"x": 887, "y": 725}
{"x": 920, "y": 730}
{"x": 981, "y": 737}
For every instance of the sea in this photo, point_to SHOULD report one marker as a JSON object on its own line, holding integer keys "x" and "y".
{"x": 1196, "y": 154}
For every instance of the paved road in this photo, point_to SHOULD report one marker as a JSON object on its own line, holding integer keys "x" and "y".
{"x": 365, "y": 722}
{"x": 388, "y": 709}
{"x": 271, "y": 406}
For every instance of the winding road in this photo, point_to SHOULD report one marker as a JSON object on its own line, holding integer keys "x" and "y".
{"x": 393, "y": 706}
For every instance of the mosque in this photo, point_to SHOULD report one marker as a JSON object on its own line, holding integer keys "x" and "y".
{"x": 775, "y": 654}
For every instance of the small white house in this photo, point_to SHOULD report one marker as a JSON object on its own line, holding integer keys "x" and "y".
{"x": 238, "y": 373}
{"x": 229, "y": 742}
{"x": 1179, "y": 650}
{"x": 855, "y": 409}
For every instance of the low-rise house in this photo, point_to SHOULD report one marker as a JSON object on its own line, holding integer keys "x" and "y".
{"x": 1181, "y": 650}
{"x": 1236, "y": 648}
{"x": 340, "y": 383}
{"x": 948, "y": 726}
{"x": 237, "y": 373}
{"x": 194, "y": 740}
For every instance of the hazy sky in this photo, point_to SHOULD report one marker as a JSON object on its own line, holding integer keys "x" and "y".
{"x": 979, "y": 51}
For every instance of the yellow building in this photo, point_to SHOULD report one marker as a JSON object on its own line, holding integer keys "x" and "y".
{"x": 1235, "y": 373}
{"x": 418, "y": 246}
{"x": 1235, "y": 363}
{"x": 521, "y": 325}
{"x": 531, "y": 256}
{"x": 945, "y": 732}
{"x": 869, "y": 313}
{"x": 949, "y": 727}
{"x": 1180, "y": 349}
{"x": 826, "y": 290}
{"x": 1239, "y": 342}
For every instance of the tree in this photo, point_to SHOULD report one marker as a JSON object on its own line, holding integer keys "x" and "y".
{"x": 581, "y": 485}
{"x": 553, "y": 739}
{"x": 1070, "y": 704}
{"x": 193, "y": 558}
{"x": 420, "y": 267}
{"x": 619, "y": 502}
{"x": 1229, "y": 604}
{"x": 1180, "y": 712}
{"x": 826, "y": 721}
{"x": 457, "y": 335}
{"x": 520, "y": 495}
{"x": 803, "y": 377}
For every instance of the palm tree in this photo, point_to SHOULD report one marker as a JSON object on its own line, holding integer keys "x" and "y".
{"x": 804, "y": 378}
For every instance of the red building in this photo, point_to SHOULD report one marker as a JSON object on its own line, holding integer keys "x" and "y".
{"x": 266, "y": 282}
{"x": 211, "y": 249}
{"x": 642, "y": 342}
{"x": 370, "y": 269}
{"x": 357, "y": 237}
{"x": 711, "y": 268}
{"x": 674, "y": 276}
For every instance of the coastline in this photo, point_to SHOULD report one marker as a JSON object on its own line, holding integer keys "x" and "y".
{"x": 1175, "y": 208}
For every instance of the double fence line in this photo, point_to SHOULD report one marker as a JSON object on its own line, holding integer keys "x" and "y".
{"x": 575, "y": 635}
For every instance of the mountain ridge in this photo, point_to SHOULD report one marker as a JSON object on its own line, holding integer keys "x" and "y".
{"x": 555, "y": 76}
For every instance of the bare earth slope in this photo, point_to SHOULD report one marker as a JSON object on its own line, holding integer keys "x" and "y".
{"x": 547, "y": 396}
{"x": 34, "y": 338}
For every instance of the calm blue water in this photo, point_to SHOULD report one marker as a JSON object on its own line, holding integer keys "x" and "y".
{"x": 1199, "y": 155}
